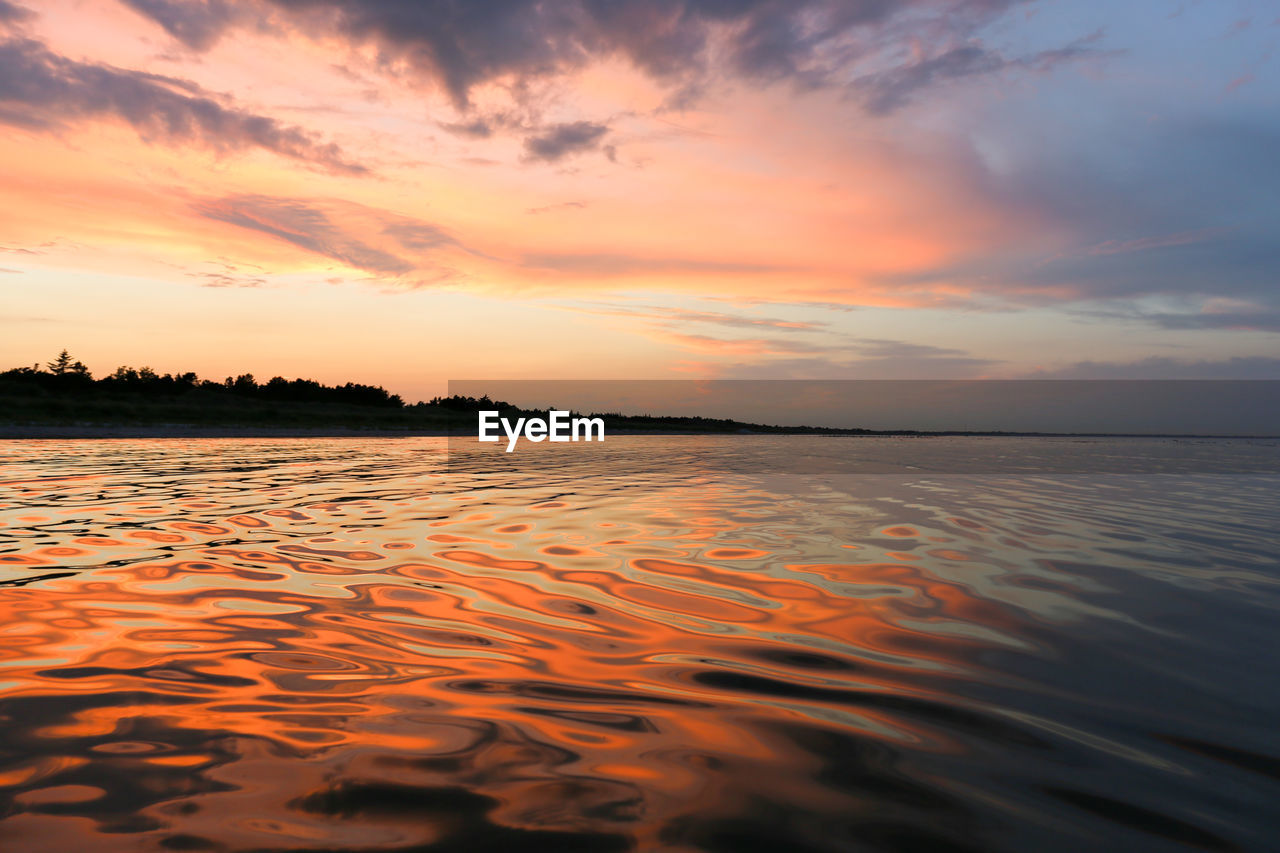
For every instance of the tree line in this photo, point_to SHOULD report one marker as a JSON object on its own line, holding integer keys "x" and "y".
{"x": 67, "y": 376}
{"x": 65, "y": 390}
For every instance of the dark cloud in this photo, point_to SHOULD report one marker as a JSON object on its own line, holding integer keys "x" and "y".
{"x": 560, "y": 140}
{"x": 12, "y": 14}
{"x": 303, "y": 224}
{"x": 195, "y": 23}
{"x": 462, "y": 45}
{"x": 1255, "y": 367}
{"x": 456, "y": 44}
{"x": 476, "y": 129}
{"x": 42, "y": 90}
{"x": 483, "y": 126}
{"x": 542, "y": 143}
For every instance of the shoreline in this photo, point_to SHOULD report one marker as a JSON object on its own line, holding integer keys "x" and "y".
{"x": 36, "y": 432}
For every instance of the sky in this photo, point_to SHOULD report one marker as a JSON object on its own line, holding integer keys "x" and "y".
{"x": 404, "y": 192}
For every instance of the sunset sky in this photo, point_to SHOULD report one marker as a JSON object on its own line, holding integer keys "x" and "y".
{"x": 403, "y": 192}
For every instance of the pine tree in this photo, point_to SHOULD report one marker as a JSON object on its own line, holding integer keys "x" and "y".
{"x": 61, "y": 364}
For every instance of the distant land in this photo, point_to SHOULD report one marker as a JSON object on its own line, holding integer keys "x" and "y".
{"x": 63, "y": 399}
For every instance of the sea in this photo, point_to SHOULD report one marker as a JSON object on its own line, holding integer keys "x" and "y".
{"x": 690, "y": 643}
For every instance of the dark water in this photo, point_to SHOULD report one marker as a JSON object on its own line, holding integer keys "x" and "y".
{"x": 331, "y": 645}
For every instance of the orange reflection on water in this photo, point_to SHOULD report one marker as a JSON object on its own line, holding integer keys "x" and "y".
{"x": 312, "y": 662}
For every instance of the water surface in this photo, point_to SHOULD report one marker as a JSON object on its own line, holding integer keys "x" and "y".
{"x": 336, "y": 645}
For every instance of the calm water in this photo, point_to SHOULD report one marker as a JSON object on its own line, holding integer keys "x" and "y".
{"x": 332, "y": 645}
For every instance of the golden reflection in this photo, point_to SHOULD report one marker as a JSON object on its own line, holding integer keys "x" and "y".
{"x": 325, "y": 667}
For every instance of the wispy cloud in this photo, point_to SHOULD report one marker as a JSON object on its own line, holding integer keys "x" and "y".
{"x": 885, "y": 91}
{"x": 419, "y": 236}
{"x": 1217, "y": 313}
{"x": 1251, "y": 367}
{"x": 826, "y": 356}
{"x": 304, "y": 225}
{"x": 387, "y": 245}
{"x": 710, "y": 344}
{"x": 229, "y": 275}
{"x": 1265, "y": 320}
{"x": 848, "y": 365}
{"x": 41, "y": 90}
{"x": 551, "y": 208}
{"x": 782, "y": 303}
{"x": 609, "y": 264}
{"x": 1141, "y": 244}
{"x": 681, "y": 316}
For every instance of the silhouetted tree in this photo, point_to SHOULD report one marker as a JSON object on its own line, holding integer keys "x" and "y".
{"x": 61, "y": 364}
{"x": 242, "y": 384}
{"x": 64, "y": 377}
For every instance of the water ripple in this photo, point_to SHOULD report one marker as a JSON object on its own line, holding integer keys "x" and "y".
{"x": 335, "y": 645}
